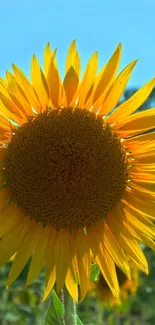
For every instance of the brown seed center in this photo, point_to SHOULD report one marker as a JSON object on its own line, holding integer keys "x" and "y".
{"x": 66, "y": 167}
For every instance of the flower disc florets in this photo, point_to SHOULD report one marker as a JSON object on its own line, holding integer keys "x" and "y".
{"x": 66, "y": 167}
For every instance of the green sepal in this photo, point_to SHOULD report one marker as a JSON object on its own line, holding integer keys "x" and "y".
{"x": 94, "y": 272}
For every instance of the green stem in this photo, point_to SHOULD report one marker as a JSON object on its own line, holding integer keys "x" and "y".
{"x": 99, "y": 314}
{"x": 69, "y": 308}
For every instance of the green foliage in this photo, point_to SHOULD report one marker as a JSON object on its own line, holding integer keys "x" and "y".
{"x": 55, "y": 311}
{"x": 22, "y": 306}
{"x": 19, "y": 305}
{"x": 78, "y": 321}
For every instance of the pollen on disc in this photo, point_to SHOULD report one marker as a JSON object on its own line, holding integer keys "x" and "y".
{"x": 66, "y": 167}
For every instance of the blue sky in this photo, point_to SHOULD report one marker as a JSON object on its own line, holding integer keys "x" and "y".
{"x": 26, "y": 26}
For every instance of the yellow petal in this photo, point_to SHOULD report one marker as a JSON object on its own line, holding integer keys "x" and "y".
{"x": 5, "y": 124}
{"x": 26, "y": 87}
{"x": 8, "y": 114}
{"x": 5, "y": 129}
{"x": 116, "y": 90}
{"x": 5, "y": 139}
{"x": 26, "y": 250}
{"x": 139, "y": 192}
{"x": 50, "y": 263}
{"x": 62, "y": 257}
{"x": 71, "y": 56}
{"x": 88, "y": 79}
{"x": 83, "y": 262}
{"x": 107, "y": 77}
{"x": 73, "y": 59}
{"x": 115, "y": 251}
{"x": 115, "y": 222}
{"x": 70, "y": 87}
{"x": 3, "y": 83}
{"x": 73, "y": 265}
{"x": 143, "y": 204}
{"x": 95, "y": 236}
{"x": 38, "y": 259}
{"x": 108, "y": 270}
{"x": 134, "y": 102}
{"x": 141, "y": 176}
{"x": 5, "y": 136}
{"x": 143, "y": 192}
{"x": 10, "y": 217}
{"x": 123, "y": 234}
{"x": 139, "y": 215}
{"x": 9, "y": 109}
{"x": 39, "y": 83}
{"x": 147, "y": 241}
{"x": 143, "y": 158}
{"x": 76, "y": 65}
{"x": 11, "y": 242}
{"x": 134, "y": 251}
{"x": 137, "y": 123}
{"x": 146, "y": 228}
{"x": 138, "y": 141}
{"x": 145, "y": 147}
{"x": 50, "y": 284}
{"x": 50, "y": 257}
{"x": 17, "y": 95}
{"x": 145, "y": 185}
{"x": 142, "y": 166}
{"x": 71, "y": 285}
{"x": 54, "y": 83}
{"x": 75, "y": 270}
{"x": 90, "y": 94}
{"x": 48, "y": 54}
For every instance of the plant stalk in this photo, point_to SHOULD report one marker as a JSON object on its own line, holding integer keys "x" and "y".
{"x": 69, "y": 308}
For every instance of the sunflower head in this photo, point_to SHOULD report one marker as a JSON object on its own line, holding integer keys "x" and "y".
{"x": 76, "y": 173}
{"x": 67, "y": 183}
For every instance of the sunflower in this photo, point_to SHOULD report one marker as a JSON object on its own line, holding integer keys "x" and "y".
{"x": 77, "y": 177}
{"x": 127, "y": 287}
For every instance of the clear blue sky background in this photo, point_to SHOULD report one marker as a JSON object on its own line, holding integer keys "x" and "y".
{"x": 26, "y": 26}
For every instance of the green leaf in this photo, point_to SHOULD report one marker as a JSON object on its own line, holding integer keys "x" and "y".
{"x": 78, "y": 321}
{"x": 55, "y": 311}
{"x": 94, "y": 272}
{"x": 11, "y": 317}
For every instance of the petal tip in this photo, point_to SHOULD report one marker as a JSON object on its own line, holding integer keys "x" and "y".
{"x": 119, "y": 47}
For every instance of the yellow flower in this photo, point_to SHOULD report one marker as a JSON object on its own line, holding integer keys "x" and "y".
{"x": 77, "y": 176}
{"x": 127, "y": 287}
